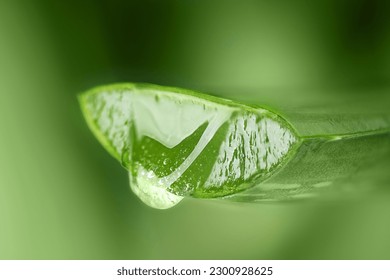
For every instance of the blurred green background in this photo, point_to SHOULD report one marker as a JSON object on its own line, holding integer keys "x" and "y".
{"x": 63, "y": 197}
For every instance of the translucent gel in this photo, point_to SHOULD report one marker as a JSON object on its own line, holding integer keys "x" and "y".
{"x": 174, "y": 145}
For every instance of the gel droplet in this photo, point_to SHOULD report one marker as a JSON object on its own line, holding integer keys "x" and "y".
{"x": 152, "y": 191}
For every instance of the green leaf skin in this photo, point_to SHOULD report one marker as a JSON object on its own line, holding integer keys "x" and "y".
{"x": 178, "y": 143}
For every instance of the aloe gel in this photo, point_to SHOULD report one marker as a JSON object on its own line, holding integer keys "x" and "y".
{"x": 177, "y": 143}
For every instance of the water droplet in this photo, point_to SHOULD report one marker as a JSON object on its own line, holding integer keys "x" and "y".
{"x": 165, "y": 162}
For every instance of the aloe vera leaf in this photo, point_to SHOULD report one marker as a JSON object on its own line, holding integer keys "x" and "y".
{"x": 176, "y": 143}
{"x": 349, "y": 134}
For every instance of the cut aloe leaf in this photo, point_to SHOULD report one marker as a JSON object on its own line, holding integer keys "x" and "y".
{"x": 177, "y": 143}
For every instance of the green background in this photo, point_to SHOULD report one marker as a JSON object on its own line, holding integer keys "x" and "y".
{"x": 63, "y": 197}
